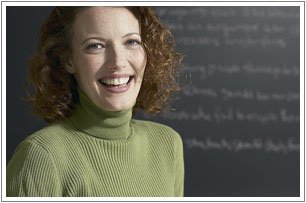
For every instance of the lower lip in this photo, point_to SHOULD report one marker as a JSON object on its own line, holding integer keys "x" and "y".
{"x": 117, "y": 89}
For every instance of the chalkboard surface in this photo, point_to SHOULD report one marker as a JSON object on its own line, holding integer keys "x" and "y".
{"x": 238, "y": 113}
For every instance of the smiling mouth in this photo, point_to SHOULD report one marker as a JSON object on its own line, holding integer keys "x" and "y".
{"x": 116, "y": 82}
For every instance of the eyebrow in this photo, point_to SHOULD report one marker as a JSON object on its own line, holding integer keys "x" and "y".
{"x": 131, "y": 33}
{"x": 102, "y": 39}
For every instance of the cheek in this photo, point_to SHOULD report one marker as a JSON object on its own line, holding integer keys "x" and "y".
{"x": 88, "y": 65}
{"x": 139, "y": 60}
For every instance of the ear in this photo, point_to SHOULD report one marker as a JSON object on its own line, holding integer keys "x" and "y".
{"x": 68, "y": 66}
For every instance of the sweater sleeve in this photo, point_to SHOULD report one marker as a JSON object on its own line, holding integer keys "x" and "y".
{"x": 179, "y": 169}
{"x": 31, "y": 173}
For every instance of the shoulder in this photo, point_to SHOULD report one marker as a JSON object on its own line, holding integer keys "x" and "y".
{"x": 155, "y": 127}
{"x": 46, "y": 144}
{"x": 158, "y": 131}
{"x": 29, "y": 154}
{"x": 48, "y": 138}
{"x": 31, "y": 165}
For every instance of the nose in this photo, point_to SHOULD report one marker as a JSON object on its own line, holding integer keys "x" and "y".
{"x": 115, "y": 57}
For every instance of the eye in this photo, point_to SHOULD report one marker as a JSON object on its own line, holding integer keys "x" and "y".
{"x": 95, "y": 47}
{"x": 132, "y": 42}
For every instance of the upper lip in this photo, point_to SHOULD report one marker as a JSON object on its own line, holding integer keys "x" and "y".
{"x": 113, "y": 76}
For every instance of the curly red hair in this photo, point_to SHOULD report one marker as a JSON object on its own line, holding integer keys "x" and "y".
{"x": 52, "y": 90}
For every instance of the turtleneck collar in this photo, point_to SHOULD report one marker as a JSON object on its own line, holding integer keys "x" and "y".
{"x": 94, "y": 121}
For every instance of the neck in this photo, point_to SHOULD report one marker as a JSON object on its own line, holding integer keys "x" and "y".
{"x": 94, "y": 121}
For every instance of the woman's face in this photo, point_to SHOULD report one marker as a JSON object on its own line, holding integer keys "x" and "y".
{"x": 107, "y": 59}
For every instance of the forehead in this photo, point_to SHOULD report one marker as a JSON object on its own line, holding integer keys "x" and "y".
{"x": 105, "y": 20}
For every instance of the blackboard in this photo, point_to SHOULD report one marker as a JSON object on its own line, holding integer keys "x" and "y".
{"x": 238, "y": 113}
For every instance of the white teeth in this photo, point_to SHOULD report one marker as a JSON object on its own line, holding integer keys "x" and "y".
{"x": 116, "y": 81}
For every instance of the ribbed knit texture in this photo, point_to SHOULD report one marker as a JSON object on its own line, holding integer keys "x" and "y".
{"x": 98, "y": 153}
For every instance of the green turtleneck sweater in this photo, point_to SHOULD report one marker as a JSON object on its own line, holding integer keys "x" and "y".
{"x": 98, "y": 153}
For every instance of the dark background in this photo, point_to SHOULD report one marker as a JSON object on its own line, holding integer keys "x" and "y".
{"x": 238, "y": 114}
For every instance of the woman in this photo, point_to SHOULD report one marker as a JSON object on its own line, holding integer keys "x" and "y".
{"x": 93, "y": 67}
